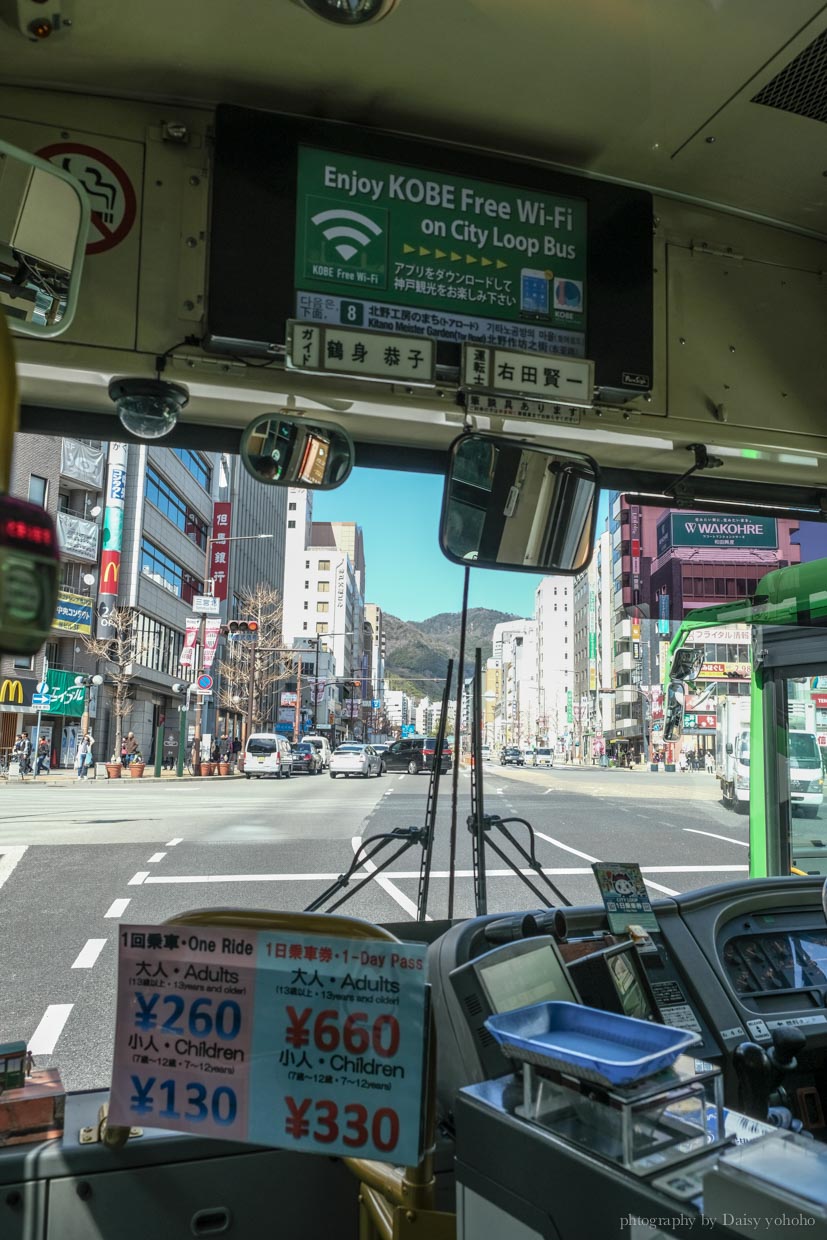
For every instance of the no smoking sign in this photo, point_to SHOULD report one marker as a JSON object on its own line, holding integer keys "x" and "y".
{"x": 111, "y": 194}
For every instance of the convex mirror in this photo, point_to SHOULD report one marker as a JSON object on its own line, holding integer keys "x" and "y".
{"x": 285, "y": 451}
{"x": 513, "y": 505}
{"x": 675, "y": 703}
{"x": 687, "y": 663}
{"x": 44, "y": 224}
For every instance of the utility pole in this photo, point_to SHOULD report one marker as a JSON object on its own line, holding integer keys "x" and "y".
{"x": 251, "y": 690}
{"x": 316, "y": 689}
{"x": 298, "y": 723}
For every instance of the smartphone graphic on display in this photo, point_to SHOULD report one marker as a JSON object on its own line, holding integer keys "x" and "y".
{"x": 533, "y": 291}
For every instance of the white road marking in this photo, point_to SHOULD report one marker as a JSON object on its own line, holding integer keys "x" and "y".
{"x": 190, "y": 879}
{"x": 548, "y": 790}
{"x": 89, "y": 953}
{"x": 44, "y": 1039}
{"x": 667, "y": 891}
{"x": 9, "y": 859}
{"x": 137, "y": 879}
{"x": 384, "y": 882}
{"x": 156, "y": 857}
{"x": 117, "y": 908}
{"x": 177, "y": 840}
{"x": 400, "y": 777}
{"x": 727, "y": 839}
{"x": 566, "y": 847}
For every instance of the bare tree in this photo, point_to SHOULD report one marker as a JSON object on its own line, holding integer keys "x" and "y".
{"x": 256, "y": 667}
{"x": 118, "y": 652}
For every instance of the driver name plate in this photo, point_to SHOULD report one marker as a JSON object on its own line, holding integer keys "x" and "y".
{"x": 540, "y": 376}
{"x": 327, "y": 350}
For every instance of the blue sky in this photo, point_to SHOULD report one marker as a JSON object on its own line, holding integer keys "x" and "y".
{"x": 406, "y": 572}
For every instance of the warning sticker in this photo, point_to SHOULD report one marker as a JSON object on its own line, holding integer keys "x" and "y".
{"x": 111, "y": 194}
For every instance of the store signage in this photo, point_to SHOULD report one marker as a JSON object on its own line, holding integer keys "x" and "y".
{"x": 271, "y": 1038}
{"x": 698, "y": 723}
{"x": 112, "y": 536}
{"x": 288, "y": 697}
{"x": 66, "y": 698}
{"x": 361, "y": 354}
{"x": 528, "y": 374}
{"x": 74, "y": 613}
{"x": 711, "y": 529}
{"x": 724, "y": 671}
{"x": 16, "y": 692}
{"x": 78, "y": 538}
{"x": 386, "y": 245}
{"x": 219, "y": 558}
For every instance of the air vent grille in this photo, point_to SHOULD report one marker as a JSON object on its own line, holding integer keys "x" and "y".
{"x": 472, "y": 1005}
{"x": 801, "y": 87}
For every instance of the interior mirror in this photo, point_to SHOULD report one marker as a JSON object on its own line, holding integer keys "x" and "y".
{"x": 44, "y": 223}
{"x": 514, "y": 505}
{"x": 290, "y": 452}
{"x": 687, "y": 663}
{"x": 675, "y": 702}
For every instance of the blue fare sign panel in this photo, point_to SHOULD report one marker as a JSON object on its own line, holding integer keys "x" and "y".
{"x": 292, "y": 1040}
{"x": 624, "y": 895}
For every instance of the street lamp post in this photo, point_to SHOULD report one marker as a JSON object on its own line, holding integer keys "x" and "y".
{"x": 199, "y": 640}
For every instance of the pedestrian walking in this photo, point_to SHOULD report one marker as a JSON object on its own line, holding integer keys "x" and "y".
{"x": 130, "y": 748}
{"x": 26, "y": 754}
{"x": 42, "y": 766}
{"x": 710, "y": 763}
{"x": 84, "y": 755}
{"x": 682, "y": 763}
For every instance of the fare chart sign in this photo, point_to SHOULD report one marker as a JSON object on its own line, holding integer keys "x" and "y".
{"x": 292, "y": 1040}
{"x": 395, "y": 248}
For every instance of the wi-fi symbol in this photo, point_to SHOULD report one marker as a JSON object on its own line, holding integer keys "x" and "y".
{"x": 346, "y": 230}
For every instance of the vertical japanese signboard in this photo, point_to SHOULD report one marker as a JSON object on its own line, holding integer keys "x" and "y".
{"x": 219, "y": 565}
{"x": 301, "y": 1041}
{"x": 592, "y": 640}
{"x": 390, "y": 247}
{"x": 112, "y": 539}
{"x": 212, "y": 627}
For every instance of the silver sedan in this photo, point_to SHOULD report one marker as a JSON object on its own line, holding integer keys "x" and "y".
{"x": 354, "y": 759}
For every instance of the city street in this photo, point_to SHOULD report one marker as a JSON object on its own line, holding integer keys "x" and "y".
{"x": 76, "y": 859}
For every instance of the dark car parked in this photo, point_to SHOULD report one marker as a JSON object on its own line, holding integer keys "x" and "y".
{"x": 415, "y": 754}
{"x": 512, "y": 756}
{"x": 307, "y": 758}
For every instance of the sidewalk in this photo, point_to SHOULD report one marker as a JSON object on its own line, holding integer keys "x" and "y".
{"x": 56, "y": 778}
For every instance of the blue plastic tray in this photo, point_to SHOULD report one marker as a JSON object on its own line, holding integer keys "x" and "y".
{"x": 587, "y": 1043}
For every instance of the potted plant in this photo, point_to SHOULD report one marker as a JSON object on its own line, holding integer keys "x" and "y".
{"x": 206, "y": 768}
{"x": 137, "y": 767}
{"x": 223, "y": 767}
{"x": 113, "y": 767}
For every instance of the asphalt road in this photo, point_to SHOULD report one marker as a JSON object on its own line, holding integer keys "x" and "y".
{"x": 77, "y": 859}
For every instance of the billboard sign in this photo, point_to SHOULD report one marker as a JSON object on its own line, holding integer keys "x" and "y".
{"x": 112, "y": 535}
{"x": 74, "y": 613}
{"x": 698, "y": 722}
{"x": 219, "y": 562}
{"x": 712, "y": 529}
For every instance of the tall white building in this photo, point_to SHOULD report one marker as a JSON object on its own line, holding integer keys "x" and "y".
{"x": 398, "y": 707}
{"x": 554, "y": 617}
{"x": 515, "y": 646}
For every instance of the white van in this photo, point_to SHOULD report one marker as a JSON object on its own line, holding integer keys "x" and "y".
{"x": 267, "y": 753}
{"x": 321, "y": 744}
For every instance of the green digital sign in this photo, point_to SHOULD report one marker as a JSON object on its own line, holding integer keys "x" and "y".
{"x": 386, "y": 246}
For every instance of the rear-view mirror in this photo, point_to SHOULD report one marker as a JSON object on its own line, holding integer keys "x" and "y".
{"x": 287, "y": 451}
{"x": 675, "y": 702}
{"x": 687, "y": 663}
{"x": 513, "y": 505}
{"x": 44, "y": 223}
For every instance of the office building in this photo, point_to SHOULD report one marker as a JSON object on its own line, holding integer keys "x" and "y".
{"x": 554, "y": 618}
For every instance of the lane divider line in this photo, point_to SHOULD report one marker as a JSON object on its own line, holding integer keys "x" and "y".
{"x": 89, "y": 953}
{"x": 137, "y": 879}
{"x": 117, "y": 908}
{"x": 9, "y": 858}
{"x": 172, "y": 843}
{"x": 156, "y": 857}
{"x": 44, "y": 1039}
{"x": 192, "y": 879}
{"x": 713, "y": 836}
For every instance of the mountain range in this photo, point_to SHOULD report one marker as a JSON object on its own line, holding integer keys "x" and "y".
{"x": 417, "y": 651}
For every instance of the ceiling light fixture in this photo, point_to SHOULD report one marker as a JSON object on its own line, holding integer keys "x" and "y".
{"x": 350, "y": 12}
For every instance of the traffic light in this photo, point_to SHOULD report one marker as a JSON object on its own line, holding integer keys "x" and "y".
{"x": 351, "y": 688}
{"x": 240, "y": 630}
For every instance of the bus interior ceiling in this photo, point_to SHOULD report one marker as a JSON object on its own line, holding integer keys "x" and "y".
{"x": 733, "y": 157}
